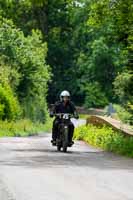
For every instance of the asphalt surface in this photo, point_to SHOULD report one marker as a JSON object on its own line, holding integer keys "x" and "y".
{"x": 31, "y": 169}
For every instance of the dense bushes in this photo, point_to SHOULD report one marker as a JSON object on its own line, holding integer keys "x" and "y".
{"x": 9, "y": 106}
{"x": 123, "y": 114}
{"x": 23, "y": 127}
{"x": 106, "y": 138}
{"x": 24, "y": 70}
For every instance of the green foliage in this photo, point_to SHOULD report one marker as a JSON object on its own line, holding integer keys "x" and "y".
{"x": 124, "y": 90}
{"x": 113, "y": 19}
{"x": 106, "y": 51}
{"x": 24, "y": 67}
{"x": 23, "y": 127}
{"x": 8, "y": 74}
{"x": 9, "y": 106}
{"x": 89, "y": 45}
{"x": 106, "y": 138}
{"x": 95, "y": 97}
{"x": 124, "y": 115}
{"x": 98, "y": 66}
{"x": 83, "y": 116}
{"x": 123, "y": 86}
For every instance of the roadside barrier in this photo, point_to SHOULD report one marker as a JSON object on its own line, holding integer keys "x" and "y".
{"x": 115, "y": 124}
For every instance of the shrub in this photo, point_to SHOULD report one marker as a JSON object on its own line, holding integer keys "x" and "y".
{"x": 24, "y": 127}
{"x": 9, "y": 106}
{"x": 23, "y": 66}
{"x": 123, "y": 114}
{"x": 106, "y": 138}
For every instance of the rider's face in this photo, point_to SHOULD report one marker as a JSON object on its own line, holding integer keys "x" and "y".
{"x": 66, "y": 99}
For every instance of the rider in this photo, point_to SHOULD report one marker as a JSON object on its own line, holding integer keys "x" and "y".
{"x": 63, "y": 106}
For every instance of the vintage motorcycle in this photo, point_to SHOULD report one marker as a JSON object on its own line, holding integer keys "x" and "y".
{"x": 62, "y": 141}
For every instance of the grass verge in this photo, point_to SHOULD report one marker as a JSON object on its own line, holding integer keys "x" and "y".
{"x": 23, "y": 128}
{"x": 83, "y": 116}
{"x": 106, "y": 138}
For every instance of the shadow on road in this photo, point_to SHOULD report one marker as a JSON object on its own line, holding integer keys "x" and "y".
{"x": 40, "y": 158}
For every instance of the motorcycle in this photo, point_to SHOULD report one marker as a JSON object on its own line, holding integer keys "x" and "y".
{"x": 62, "y": 141}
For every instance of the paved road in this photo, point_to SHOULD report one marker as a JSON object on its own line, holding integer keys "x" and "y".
{"x": 31, "y": 169}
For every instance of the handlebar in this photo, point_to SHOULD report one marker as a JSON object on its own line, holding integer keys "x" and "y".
{"x": 63, "y": 115}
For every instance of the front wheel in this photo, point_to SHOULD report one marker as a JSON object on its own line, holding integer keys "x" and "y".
{"x": 64, "y": 147}
{"x": 65, "y": 139}
{"x": 58, "y": 147}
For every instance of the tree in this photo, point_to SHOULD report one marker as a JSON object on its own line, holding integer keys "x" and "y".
{"x": 88, "y": 42}
{"x": 26, "y": 56}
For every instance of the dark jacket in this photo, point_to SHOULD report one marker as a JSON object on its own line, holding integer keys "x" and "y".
{"x": 60, "y": 107}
